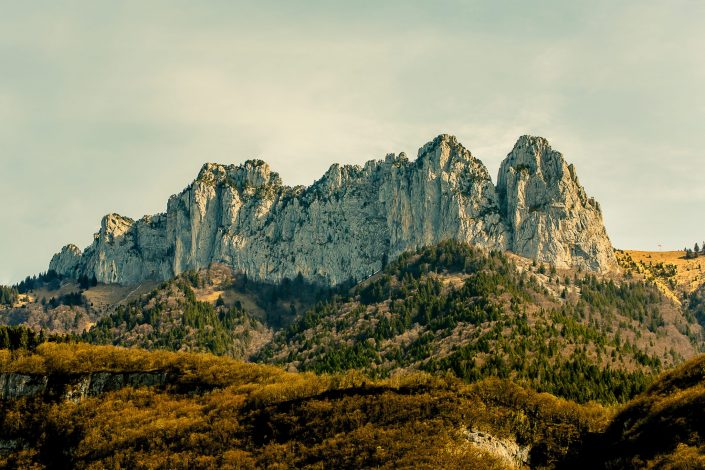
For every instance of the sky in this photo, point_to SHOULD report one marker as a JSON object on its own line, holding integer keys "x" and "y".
{"x": 114, "y": 106}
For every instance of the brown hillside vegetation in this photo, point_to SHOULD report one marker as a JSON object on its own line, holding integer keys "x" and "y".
{"x": 220, "y": 413}
{"x": 662, "y": 428}
{"x": 44, "y": 306}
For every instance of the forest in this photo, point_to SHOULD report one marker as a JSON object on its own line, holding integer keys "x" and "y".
{"x": 216, "y": 412}
{"x": 510, "y": 337}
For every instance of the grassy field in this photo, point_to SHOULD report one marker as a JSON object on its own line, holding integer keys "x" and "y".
{"x": 674, "y": 275}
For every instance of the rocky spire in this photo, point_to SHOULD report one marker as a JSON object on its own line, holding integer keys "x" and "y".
{"x": 548, "y": 214}
{"x": 352, "y": 218}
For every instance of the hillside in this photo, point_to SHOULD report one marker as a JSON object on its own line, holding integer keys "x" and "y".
{"x": 61, "y": 305}
{"x": 445, "y": 308}
{"x": 106, "y": 407}
{"x": 213, "y": 310}
{"x": 662, "y": 428}
{"x": 51, "y": 303}
{"x": 479, "y": 314}
{"x": 82, "y": 406}
{"x": 170, "y": 317}
{"x": 675, "y": 275}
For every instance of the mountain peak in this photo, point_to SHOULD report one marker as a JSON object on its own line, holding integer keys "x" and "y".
{"x": 533, "y": 153}
{"x": 354, "y": 217}
{"x": 252, "y": 173}
{"x": 443, "y": 152}
{"x": 114, "y": 225}
{"x": 435, "y": 146}
{"x": 540, "y": 194}
{"x": 531, "y": 140}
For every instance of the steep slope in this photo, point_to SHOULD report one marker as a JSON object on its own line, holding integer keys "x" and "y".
{"x": 171, "y": 317}
{"x": 351, "y": 221}
{"x": 123, "y": 251}
{"x": 676, "y": 275}
{"x": 455, "y": 308}
{"x": 662, "y": 428}
{"x": 550, "y": 217}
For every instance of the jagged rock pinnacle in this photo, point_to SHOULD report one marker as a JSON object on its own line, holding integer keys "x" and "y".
{"x": 347, "y": 222}
{"x": 547, "y": 211}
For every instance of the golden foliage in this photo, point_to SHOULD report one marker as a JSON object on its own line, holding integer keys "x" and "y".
{"x": 220, "y": 413}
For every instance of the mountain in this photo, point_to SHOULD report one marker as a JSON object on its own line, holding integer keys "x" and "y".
{"x": 349, "y": 223}
{"x": 403, "y": 314}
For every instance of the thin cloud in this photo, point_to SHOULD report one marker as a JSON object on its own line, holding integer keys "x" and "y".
{"x": 99, "y": 116}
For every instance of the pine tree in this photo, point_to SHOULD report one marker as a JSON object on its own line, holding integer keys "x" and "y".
{"x": 24, "y": 339}
{"x": 5, "y": 339}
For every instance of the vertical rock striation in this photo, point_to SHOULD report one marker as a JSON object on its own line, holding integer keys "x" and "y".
{"x": 547, "y": 211}
{"x": 123, "y": 251}
{"x": 350, "y": 221}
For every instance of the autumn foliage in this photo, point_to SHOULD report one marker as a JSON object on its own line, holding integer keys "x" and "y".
{"x": 217, "y": 412}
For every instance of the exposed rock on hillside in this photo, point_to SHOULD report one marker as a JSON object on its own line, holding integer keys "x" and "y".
{"x": 508, "y": 451}
{"x": 73, "y": 387}
{"x": 355, "y": 218}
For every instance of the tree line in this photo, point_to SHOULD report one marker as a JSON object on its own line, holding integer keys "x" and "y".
{"x": 696, "y": 251}
{"x": 8, "y": 295}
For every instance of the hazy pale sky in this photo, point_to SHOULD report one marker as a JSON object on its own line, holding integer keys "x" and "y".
{"x": 114, "y": 106}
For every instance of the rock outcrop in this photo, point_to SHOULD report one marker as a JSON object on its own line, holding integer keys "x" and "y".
{"x": 67, "y": 261}
{"x": 74, "y": 387}
{"x": 547, "y": 211}
{"x": 123, "y": 251}
{"x": 355, "y": 218}
{"x": 506, "y": 450}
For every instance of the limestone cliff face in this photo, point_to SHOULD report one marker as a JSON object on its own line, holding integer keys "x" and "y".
{"x": 74, "y": 387}
{"x": 68, "y": 261}
{"x": 343, "y": 226}
{"x": 123, "y": 251}
{"x": 547, "y": 211}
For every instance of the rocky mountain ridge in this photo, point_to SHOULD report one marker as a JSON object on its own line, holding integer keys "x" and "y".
{"x": 354, "y": 219}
